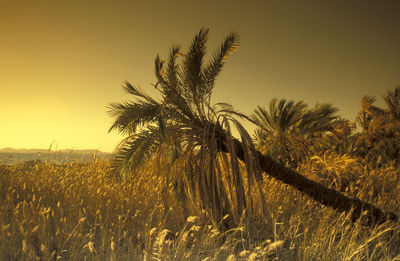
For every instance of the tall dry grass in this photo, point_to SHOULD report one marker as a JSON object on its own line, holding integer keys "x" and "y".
{"x": 75, "y": 212}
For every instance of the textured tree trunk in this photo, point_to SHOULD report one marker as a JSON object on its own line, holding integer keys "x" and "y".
{"x": 326, "y": 196}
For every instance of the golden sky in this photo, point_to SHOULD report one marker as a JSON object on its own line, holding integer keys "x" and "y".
{"x": 62, "y": 62}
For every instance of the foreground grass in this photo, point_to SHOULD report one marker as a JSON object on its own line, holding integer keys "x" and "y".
{"x": 74, "y": 212}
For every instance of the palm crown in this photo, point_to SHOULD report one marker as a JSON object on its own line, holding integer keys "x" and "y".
{"x": 288, "y": 131}
{"x": 379, "y": 140}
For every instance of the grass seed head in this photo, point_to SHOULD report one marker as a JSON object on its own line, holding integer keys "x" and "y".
{"x": 193, "y": 219}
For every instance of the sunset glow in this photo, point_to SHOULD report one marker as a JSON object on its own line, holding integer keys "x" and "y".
{"x": 63, "y": 62}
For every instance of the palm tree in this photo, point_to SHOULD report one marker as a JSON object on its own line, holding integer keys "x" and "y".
{"x": 199, "y": 134}
{"x": 288, "y": 131}
{"x": 379, "y": 140}
{"x": 341, "y": 138}
{"x": 392, "y": 99}
{"x": 185, "y": 120}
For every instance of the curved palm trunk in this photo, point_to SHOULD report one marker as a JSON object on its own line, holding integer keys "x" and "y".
{"x": 318, "y": 192}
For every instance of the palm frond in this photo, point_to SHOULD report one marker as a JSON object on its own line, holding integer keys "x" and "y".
{"x": 212, "y": 70}
{"x": 137, "y": 92}
{"x": 261, "y": 118}
{"x": 319, "y": 119}
{"x": 159, "y": 70}
{"x": 173, "y": 71}
{"x": 392, "y": 99}
{"x": 135, "y": 150}
{"x": 193, "y": 65}
{"x": 131, "y": 115}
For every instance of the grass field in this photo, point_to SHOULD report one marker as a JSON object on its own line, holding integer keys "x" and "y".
{"x": 75, "y": 212}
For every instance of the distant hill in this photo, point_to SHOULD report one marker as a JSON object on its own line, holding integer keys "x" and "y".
{"x": 12, "y": 156}
{"x": 42, "y": 151}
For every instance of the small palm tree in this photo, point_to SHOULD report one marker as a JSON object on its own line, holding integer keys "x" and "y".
{"x": 289, "y": 131}
{"x": 198, "y": 133}
{"x": 379, "y": 139}
{"x": 341, "y": 138}
{"x": 392, "y": 99}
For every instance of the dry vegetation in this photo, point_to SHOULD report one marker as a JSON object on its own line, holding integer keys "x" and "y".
{"x": 75, "y": 212}
{"x": 181, "y": 187}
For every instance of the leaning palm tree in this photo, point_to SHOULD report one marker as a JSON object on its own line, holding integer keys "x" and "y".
{"x": 198, "y": 133}
{"x": 193, "y": 130}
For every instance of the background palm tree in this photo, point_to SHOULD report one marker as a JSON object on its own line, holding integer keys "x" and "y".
{"x": 341, "y": 138}
{"x": 379, "y": 139}
{"x": 289, "y": 131}
{"x": 392, "y": 99}
{"x": 198, "y": 134}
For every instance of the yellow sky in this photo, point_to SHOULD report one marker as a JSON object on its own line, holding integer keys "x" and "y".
{"x": 62, "y": 62}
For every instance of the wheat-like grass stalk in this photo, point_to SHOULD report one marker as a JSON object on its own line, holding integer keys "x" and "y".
{"x": 73, "y": 212}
